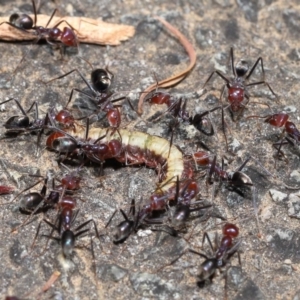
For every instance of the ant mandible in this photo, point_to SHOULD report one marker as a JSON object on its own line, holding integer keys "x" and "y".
{"x": 238, "y": 96}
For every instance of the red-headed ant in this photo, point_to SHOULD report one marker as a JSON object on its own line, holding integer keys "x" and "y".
{"x": 238, "y": 96}
{"x": 38, "y": 201}
{"x": 222, "y": 254}
{"x": 234, "y": 179}
{"x": 184, "y": 193}
{"x": 177, "y": 108}
{"x": 24, "y": 123}
{"x": 24, "y": 22}
{"x": 281, "y": 120}
{"x": 101, "y": 80}
{"x": 67, "y": 235}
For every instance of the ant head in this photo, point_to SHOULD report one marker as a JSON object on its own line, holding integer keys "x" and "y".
{"x": 101, "y": 79}
{"x": 22, "y": 21}
{"x": 241, "y": 68}
{"x": 67, "y": 243}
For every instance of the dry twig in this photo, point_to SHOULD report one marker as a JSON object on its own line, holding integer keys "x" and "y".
{"x": 171, "y": 81}
{"x": 88, "y": 30}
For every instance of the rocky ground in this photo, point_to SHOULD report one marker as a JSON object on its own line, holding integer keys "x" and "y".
{"x": 141, "y": 267}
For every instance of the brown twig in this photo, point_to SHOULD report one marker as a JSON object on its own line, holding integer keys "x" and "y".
{"x": 49, "y": 283}
{"x": 178, "y": 77}
{"x": 88, "y": 30}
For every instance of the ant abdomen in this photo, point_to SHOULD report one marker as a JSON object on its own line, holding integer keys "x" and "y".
{"x": 101, "y": 79}
{"x": 17, "y": 122}
{"x": 30, "y": 201}
{"x": 207, "y": 269}
{"x": 122, "y": 231}
{"x": 64, "y": 145}
{"x": 22, "y": 21}
{"x": 239, "y": 179}
{"x": 181, "y": 214}
{"x": 68, "y": 243}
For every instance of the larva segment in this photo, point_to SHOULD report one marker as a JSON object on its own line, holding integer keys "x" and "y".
{"x": 140, "y": 147}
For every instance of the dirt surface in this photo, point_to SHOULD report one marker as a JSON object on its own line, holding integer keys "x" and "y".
{"x": 140, "y": 268}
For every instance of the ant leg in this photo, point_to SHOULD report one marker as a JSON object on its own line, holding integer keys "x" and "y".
{"x": 265, "y": 83}
{"x": 232, "y": 63}
{"x": 211, "y": 171}
{"x": 34, "y": 12}
{"x": 110, "y": 219}
{"x": 64, "y": 21}
{"x": 35, "y": 237}
{"x": 254, "y": 67}
{"x": 18, "y": 104}
{"x": 219, "y": 74}
{"x": 205, "y": 236}
{"x": 198, "y": 253}
{"x": 51, "y": 17}
{"x": 68, "y": 73}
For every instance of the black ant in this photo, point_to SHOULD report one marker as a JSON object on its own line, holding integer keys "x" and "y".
{"x": 238, "y": 96}
{"x": 24, "y": 123}
{"x": 124, "y": 229}
{"x": 25, "y": 23}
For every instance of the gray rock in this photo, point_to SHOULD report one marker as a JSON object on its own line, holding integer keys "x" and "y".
{"x": 277, "y": 196}
{"x": 110, "y": 272}
{"x": 151, "y": 285}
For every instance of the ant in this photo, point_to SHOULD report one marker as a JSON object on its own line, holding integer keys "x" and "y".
{"x": 94, "y": 150}
{"x": 226, "y": 249}
{"x": 101, "y": 80}
{"x": 238, "y": 96}
{"x": 281, "y": 120}
{"x": 124, "y": 229}
{"x": 67, "y": 235}
{"x": 177, "y": 108}
{"x": 184, "y": 193}
{"x": 36, "y": 201}
{"x": 17, "y": 124}
{"x": 23, "y": 123}
{"x": 25, "y": 23}
{"x": 236, "y": 179}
